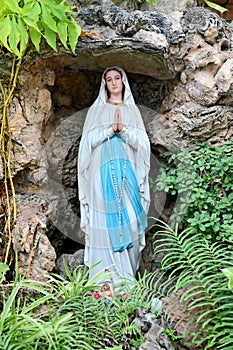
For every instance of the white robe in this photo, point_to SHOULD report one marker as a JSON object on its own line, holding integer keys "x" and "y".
{"x": 100, "y": 117}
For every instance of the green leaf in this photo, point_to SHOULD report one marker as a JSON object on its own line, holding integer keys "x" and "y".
{"x": 48, "y": 19}
{"x": 23, "y": 35}
{"x": 5, "y": 29}
{"x": 215, "y": 6}
{"x": 31, "y": 23}
{"x": 62, "y": 32}
{"x": 58, "y": 11}
{"x": 151, "y": 2}
{"x": 74, "y": 31}
{"x": 50, "y": 37}
{"x": 13, "y": 6}
{"x": 14, "y": 37}
{"x": 32, "y": 10}
{"x": 35, "y": 36}
{"x": 8, "y": 305}
{"x": 3, "y": 269}
{"x": 228, "y": 272}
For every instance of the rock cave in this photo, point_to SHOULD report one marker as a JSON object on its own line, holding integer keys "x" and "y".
{"x": 180, "y": 71}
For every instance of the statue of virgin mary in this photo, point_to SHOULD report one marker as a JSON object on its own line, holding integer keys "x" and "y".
{"x": 113, "y": 167}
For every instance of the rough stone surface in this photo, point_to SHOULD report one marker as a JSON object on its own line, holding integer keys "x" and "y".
{"x": 156, "y": 340}
{"x": 164, "y": 6}
{"x": 36, "y": 255}
{"x": 71, "y": 260}
{"x": 167, "y": 6}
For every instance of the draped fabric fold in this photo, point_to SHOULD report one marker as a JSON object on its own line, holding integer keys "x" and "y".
{"x": 120, "y": 169}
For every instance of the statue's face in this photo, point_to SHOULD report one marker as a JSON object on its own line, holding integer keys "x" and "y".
{"x": 114, "y": 82}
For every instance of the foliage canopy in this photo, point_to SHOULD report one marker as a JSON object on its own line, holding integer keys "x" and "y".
{"x": 64, "y": 314}
{"x": 202, "y": 178}
{"x": 24, "y": 20}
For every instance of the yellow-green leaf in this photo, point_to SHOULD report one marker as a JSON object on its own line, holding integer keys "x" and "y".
{"x": 62, "y": 32}
{"x": 13, "y": 6}
{"x": 228, "y": 272}
{"x": 215, "y": 6}
{"x": 23, "y": 35}
{"x": 30, "y": 23}
{"x": 48, "y": 19}
{"x": 14, "y": 37}
{"x": 50, "y": 37}
{"x": 2, "y": 7}
{"x": 74, "y": 31}
{"x": 58, "y": 12}
{"x": 5, "y": 29}
{"x": 32, "y": 10}
{"x": 35, "y": 36}
{"x": 3, "y": 269}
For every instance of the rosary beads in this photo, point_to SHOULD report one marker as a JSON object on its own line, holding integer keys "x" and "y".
{"x": 119, "y": 194}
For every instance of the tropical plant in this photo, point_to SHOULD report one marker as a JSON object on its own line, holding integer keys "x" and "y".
{"x": 202, "y": 179}
{"x": 3, "y": 268}
{"x": 24, "y": 23}
{"x": 64, "y": 314}
{"x": 151, "y": 2}
{"x": 228, "y": 272}
{"x": 197, "y": 301}
{"x": 212, "y": 5}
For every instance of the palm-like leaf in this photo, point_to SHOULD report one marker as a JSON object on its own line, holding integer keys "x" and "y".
{"x": 63, "y": 314}
{"x": 197, "y": 299}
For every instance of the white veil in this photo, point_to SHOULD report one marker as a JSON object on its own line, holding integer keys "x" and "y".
{"x": 101, "y": 100}
{"x": 102, "y": 97}
{"x": 94, "y": 127}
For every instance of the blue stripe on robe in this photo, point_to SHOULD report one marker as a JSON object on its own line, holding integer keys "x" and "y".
{"x": 120, "y": 243}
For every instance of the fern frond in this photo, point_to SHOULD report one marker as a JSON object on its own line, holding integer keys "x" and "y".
{"x": 197, "y": 299}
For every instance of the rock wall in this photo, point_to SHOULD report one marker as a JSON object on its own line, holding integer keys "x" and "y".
{"x": 180, "y": 71}
{"x": 164, "y": 6}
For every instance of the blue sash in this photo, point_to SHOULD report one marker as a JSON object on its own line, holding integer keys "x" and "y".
{"x": 120, "y": 232}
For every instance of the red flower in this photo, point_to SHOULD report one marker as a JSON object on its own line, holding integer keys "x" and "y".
{"x": 97, "y": 295}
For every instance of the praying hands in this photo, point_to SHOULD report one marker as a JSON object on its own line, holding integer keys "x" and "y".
{"x": 117, "y": 126}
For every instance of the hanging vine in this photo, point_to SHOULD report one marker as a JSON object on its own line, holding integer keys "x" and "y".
{"x": 24, "y": 23}
{"x": 6, "y": 153}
